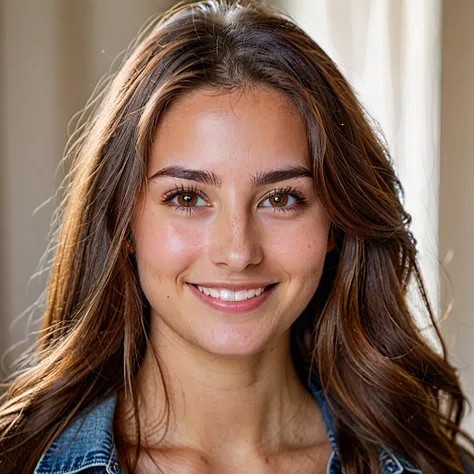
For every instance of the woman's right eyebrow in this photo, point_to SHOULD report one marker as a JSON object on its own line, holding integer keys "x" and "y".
{"x": 261, "y": 178}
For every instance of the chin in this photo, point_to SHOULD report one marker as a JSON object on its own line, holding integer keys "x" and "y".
{"x": 232, "y": 343}
{"x": 232, "y": 352}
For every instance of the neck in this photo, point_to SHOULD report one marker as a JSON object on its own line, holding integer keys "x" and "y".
{"x": 222, "y": 406}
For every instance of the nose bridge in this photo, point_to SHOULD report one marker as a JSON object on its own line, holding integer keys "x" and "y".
{"x": 234, "y": 237}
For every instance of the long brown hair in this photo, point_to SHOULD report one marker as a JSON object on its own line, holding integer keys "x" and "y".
{"x": 384, "y": 383}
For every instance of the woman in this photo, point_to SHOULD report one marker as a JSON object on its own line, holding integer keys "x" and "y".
{"x": 229, "y": 283}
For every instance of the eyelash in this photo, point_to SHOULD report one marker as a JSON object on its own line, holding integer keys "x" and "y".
{"x": 170, "y": 195}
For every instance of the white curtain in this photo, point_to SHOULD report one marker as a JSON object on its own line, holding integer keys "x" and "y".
{"x": 390, "y": 51}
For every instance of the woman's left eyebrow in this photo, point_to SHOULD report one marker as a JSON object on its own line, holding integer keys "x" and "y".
{"x": 262, "y": 178}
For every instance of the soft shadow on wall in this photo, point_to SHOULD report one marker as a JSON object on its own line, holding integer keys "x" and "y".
{"x": 52, "y": 55}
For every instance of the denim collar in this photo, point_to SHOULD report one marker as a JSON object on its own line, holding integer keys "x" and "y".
{"x": 88, "y": 442}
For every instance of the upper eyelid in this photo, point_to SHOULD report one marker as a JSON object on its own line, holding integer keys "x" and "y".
{"x": 170, "y": 195}
{"x": 182, "y": 189}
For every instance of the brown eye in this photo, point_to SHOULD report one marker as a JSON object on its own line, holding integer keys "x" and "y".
{"x": 187, "y": 199}
{"x": 279, "y": 200}
{"x": 284, "y": 199}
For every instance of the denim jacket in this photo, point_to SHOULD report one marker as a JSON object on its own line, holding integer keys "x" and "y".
{"x": 86, "y": 446}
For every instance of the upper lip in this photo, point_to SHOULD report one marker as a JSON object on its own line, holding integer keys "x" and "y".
{"x": 233, "y": 285}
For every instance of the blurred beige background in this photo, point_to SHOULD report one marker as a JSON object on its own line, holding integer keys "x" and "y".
{"x": 53, "y": 52}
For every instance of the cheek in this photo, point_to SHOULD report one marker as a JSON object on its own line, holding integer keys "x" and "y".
{"x": 301, "y": 247}
{"x": 165, "y": 248}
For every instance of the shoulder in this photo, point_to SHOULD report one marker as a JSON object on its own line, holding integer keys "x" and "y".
{"x": 86, "y": 445}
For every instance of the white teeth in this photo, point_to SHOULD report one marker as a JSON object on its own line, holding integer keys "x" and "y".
{"x": 240, "y": 295}
{"x": 229, "y": 295}
{"x": 213, "y": 292}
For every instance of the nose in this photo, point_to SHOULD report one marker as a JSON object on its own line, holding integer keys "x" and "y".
{"x": 234, "y": 240}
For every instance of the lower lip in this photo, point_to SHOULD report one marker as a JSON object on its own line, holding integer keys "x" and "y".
{"x": 233, "y": 306}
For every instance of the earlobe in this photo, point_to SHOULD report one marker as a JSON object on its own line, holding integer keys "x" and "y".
{"x": 129, "y": 246}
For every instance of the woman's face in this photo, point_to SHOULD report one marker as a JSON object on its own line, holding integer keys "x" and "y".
{"x": 230, "y": 206}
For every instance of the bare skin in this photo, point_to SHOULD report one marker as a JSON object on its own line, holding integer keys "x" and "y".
{"x": 236, "y": 402}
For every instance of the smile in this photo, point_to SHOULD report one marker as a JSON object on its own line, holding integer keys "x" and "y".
{"x": 230, "y": 295}
{"x": 230, "y": 301}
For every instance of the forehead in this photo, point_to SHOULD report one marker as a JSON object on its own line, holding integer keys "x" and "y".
{"x": 256, "y": 128}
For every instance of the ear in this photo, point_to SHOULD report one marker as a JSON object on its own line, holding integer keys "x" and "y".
{"x": 129, "y": 246}
{"x": 331, "y": 241}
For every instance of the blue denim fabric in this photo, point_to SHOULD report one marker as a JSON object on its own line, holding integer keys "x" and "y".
{"x": 86, "y": 446}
